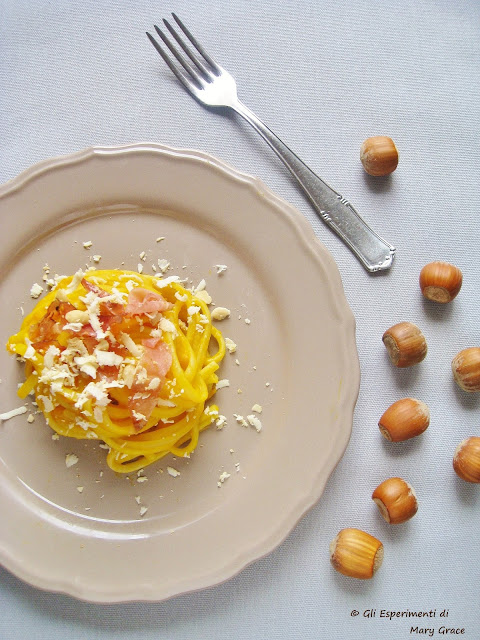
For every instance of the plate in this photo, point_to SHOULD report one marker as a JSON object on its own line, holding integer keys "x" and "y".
{"x": 79, "y": 530}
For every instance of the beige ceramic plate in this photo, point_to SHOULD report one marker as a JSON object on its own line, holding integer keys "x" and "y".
{"x": 79, "y": 530}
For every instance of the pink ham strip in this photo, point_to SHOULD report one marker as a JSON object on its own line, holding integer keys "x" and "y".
{"x": 157, "y": 361}
{"x": 144, "y": 301}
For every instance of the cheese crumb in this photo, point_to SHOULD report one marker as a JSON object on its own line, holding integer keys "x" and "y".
{"x": 36, "y": 290}
{"x": 222, "y": 383}
{"x": 143, "y": 511}
{"x": 164, "y": 282}
{"x": 70, "y": 460}
{"x": 220, "y": 422}
{"x": 88, "y": 244}
{"x": 14, "y": 412}
{"x": 221, "y": 268}
{"x": 231, "y": 345}
{"x": 240, "y": 419}
{"x": 201, "y": 286}
{"x": 204, "y": 296}
{"x": 222, "y": 477}
{"x": 173, "y": 472}
{"x": 80, "y": 489}
{"x": 96, "y": 258}
{"x": 247, "y": 320}
{"x": 31, "y": 418}
{"x": 220, "y": 313}
{"x": 192, "y": 310}
{"x": 254, "y": 421}
{"x": 160, "y": 238}
{"x": 163, "y": 264}
{"x": 257, "y": 408}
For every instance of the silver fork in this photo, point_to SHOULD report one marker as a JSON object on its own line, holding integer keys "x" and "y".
{"x": 211, "y": 85}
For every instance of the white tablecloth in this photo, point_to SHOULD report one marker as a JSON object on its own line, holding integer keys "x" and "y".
{"x": 324, "y": 75}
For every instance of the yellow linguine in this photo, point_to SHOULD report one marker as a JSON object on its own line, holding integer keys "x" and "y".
{"x": 125, "y": 358}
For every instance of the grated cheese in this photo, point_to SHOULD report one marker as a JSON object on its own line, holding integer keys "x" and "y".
{"x": 12, "y": 413}
{"x": 70, "y": 460}
{"x": 231, "y": 345}
{"x": 254, "y": 421}
{"x": 36, "y": 290}
{"x": 222, "y": 477}
{"x": 220, "y": 313}
{"x": 221, "y": 268}
{"x": 173, "y": 472}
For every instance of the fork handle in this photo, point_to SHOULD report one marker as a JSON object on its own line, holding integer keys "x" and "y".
{"x": 373, "y": 251}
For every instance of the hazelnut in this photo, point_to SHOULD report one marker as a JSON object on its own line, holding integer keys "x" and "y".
{"x": 405, "y": 343}
{"x": 440, "y": 281}
{"x": 404, "y": 419}
{"x": 379, "y": 156}
{"x": 396, "y": 500}
{"x": 356, "y": 554}
{"x": 466, "y": 369}
{"x": 466, "y": 460}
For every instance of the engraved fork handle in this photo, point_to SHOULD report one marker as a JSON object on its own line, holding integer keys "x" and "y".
{"x": 373, "y": 251}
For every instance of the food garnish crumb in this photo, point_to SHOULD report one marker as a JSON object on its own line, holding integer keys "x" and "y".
{"x": 221, "y": 421}
{"x": 204, "y": 295}
{"x": 257, "y": 408}
{"x": 247, "y": 320}
{"x": 254, "y": 421}
{"x": 163, "y": 264}
{"x": 80, "y": 489}
{"x": 220, "y": 313}
{"x": 30, "y": 418}
{"x": 240, "y": 419}
{"x": 221, "y": 268}
{"x": 88, "y": 244}
{"x": 230, "y": 344}
{"x": 55, "y": 436}
{"x": 96, "y": 258}
{"x": 36, "y": 290}
{"x": 222, "y": 477}
{"x": 160, "y": 238}
{"x": 173, "y": 472}
{"x": 12, "y": 413}
{"x": 143, "y": 511}
{"x": 70, "y": 459}
{"x": 222, "y": 383}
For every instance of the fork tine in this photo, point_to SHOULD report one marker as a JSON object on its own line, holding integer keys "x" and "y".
{"x": 177, "y": 73}
{"x": 206, "y": 73}
{"x": 197, "y": 45}
{"x": 191, "y": 71}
